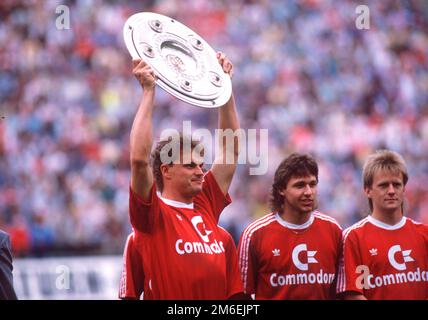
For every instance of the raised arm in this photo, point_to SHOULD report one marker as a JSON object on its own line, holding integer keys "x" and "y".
{"x": 225, "y": 163}
{"x": 141, "y": 132}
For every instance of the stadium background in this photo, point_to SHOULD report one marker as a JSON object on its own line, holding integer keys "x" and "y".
{"x": 302, "y": 70}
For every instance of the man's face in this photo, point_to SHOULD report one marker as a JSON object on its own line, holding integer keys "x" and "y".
{"x": 300, "y": 194}
{"x": 386, "y": 192}
{"x": 187, "y": 177}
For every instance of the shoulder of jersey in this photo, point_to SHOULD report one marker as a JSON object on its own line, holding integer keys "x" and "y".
{"x": 326, "y": 219}
{"x": 416, "y": 223}
{"x": 260, "y": 223}
{"x": 355, "y": 227}
{"x": 419, "y": 225}
{"x": 224, "y": 232}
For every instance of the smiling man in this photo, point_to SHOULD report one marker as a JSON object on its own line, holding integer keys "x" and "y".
{"x": 291, "y": 253}
{"x": 385, "y": 254}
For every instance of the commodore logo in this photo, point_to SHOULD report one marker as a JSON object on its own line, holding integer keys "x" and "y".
{"x": 392, "y": 253}
{"x": 310, "y": 257}
{"x": 199, "y": 226}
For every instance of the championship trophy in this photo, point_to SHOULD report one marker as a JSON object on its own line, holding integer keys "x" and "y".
{"x": 184, "y": 64}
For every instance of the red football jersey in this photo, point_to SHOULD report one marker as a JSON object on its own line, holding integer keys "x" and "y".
{"x": 234, "y": 283}
{"x": 385, "y": 262}
{"x": 132, "y": 278}
{"x": 279, "y": 260}
{"x": 181, "y": 245}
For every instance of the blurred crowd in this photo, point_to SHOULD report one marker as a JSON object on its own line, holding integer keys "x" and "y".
{"x": 302, "y": 70}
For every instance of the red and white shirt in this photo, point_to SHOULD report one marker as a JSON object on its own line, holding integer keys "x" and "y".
{"x": 280, "y": 260}
{"x": 183, "y": 252}
{"x": 132, "y": 277}
{"x": 385, "y": 262}
{"x": 234, "y": 283}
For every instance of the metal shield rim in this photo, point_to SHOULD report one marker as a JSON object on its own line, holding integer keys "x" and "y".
{"x": 161, "y": 79}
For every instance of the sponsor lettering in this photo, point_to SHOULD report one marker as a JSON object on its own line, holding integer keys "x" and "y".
{"x": 186, "y": 247}
{"x": 301, "y": 278}
{"x": 366, "y": 280}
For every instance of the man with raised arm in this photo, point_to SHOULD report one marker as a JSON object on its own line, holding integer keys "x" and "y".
{"x": 175, "y": 206}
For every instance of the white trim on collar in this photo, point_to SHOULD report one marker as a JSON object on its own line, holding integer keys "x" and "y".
{"x": 386, "y": 226}
{"x": 292, "y": 225}
{"x": 174, "y": 203}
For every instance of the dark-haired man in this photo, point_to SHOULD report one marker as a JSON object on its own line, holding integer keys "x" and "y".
{"x": 293, "y": 252}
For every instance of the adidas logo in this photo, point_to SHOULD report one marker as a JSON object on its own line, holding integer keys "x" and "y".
{"x": 373, "y": 252}
{"x": 179, "y": 217}
{"x": 276, "y": 252}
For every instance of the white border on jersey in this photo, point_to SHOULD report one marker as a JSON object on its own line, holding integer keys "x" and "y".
{"x": 174, "y": 203}
{"x": 292, "y": 225}
{"x": 245, "y": 243}
{"x": 341, "y": 279}
{"x": 322, "y": 216}
{"x": 386, "y": 226}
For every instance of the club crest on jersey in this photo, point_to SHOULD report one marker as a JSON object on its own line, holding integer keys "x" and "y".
{"x": 405, "y": 254}
{"x": 310, "y": 257}
{"x": 199, "y": 226}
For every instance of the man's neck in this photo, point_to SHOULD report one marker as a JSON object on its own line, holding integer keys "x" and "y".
{"x": 390, "y": 218}
{"x": 174, "y": 195}
{"x": 294, "y": 217}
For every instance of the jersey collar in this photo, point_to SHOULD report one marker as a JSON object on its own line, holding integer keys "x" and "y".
{"x": 386, "y": 226}
{"x": 292, "y": 225}
{"x": 174, "y": 203}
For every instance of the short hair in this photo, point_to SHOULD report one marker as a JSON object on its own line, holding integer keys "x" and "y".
{"x": 159, "y": 152}
{"x": 383, "y": 160}
{"x": 296, "y": 165}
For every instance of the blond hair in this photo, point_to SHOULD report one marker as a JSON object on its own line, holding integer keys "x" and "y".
{"x": 383, "y": 160}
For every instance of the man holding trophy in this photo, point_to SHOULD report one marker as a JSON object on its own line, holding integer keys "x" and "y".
{"x": 174, "y": 204}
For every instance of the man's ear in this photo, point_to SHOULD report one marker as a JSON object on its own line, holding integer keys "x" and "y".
{"x": 367, "y": 191}
{"x": 166, "y": 171}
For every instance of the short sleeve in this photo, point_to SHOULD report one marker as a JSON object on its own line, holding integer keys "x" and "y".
{"x": 132, "y": 277}
{"x": 212, "y": 196}
{"x": 247, "y": 263}
{"x": 143, "y": 214}
{"x": 350, "y": 275}
{"x": 234, "y": 283}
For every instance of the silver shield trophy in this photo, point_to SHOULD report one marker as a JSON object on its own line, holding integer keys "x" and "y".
{"x": 184, "y": 64}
